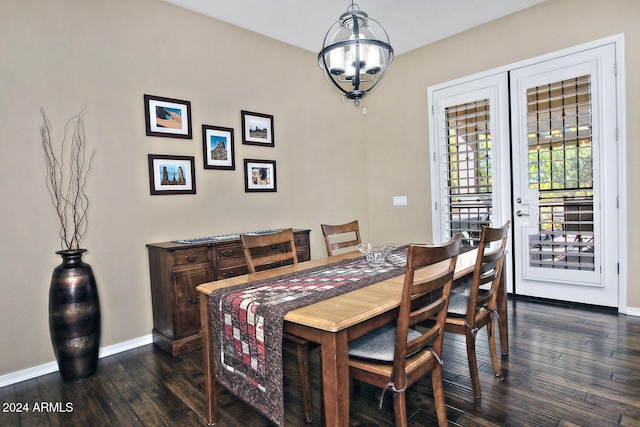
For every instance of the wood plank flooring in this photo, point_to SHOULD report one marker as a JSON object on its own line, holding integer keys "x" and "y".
{"x": 568, "y": 366}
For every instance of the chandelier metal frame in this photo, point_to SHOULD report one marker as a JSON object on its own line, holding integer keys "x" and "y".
{"x": 355, "y": 54}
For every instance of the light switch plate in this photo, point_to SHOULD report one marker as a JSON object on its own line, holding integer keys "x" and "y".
{"x": 399, "y": 200}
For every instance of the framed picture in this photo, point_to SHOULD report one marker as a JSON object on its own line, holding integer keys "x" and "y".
{"x": 217, "y": 145}
{"x": 167, "y": 117}
{"x": 257, "y": 129}
{"x": 260, "y": 175}
{"x": 171, "y": 174}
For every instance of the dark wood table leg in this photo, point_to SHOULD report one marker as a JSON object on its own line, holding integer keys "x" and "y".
{"x": 211, "y": 391}
{"x": 335, "y": 378}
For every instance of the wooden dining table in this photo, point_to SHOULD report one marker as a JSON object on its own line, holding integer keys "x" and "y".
{"x": 333, "y": 322}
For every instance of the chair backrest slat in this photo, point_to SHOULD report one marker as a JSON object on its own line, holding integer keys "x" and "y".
{"x": 259, "y": 249}
{"x": 340, "y": 236}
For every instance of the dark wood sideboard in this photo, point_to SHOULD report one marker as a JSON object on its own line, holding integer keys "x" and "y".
{"x": 177, "y": 268}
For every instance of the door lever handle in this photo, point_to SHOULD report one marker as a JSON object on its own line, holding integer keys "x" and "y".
{"x": 520, "y": 213}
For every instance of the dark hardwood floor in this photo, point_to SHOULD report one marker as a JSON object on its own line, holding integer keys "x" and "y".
{"x": 568, "y": 366}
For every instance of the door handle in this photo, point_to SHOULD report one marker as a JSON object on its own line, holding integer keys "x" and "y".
{"x": 520, "y": 213}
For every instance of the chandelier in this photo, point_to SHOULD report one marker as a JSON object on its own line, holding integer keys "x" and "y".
{"x": 355, "y": 54}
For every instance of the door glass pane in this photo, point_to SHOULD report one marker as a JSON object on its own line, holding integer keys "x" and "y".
{"x": 468, "y": 199}
{"x": 561, "y": 171}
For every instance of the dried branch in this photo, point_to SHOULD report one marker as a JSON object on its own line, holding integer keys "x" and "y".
{"x": 66, "y": 182}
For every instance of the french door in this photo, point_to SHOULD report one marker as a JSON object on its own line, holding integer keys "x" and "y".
{"x": 471, "y": 163}
{"x": 535, "y": 144}
{"x": 564, "y": 178}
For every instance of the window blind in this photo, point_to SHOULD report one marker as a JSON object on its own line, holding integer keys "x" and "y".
{"x": 468, "y": 200}
{"x": 561, "y": 170}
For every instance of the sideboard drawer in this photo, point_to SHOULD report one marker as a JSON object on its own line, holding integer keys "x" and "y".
{"x": 191, "y": 256}
{"x": 230, "y": 261}
{"x": 238, "y": 270}
{"x": 229, "y": 255}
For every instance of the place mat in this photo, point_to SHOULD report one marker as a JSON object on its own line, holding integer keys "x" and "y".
{"x": 247, "y": 323}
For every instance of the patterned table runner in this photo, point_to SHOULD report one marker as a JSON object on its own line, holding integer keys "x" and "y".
{"x": 247, "y": 323}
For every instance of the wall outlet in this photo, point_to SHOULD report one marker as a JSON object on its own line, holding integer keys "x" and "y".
{"x": 399, "y": 200}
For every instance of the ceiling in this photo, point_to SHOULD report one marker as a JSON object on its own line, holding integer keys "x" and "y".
{"x": 409, "y": 23}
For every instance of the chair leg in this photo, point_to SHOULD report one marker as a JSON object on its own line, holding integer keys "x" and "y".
{"x": 492, "y": 348}
{"x": 473, "y": 364}
{"x": 305, "y": 380}
{"x": 322, "y": 417}
{"x": 438, "y": 396}
{"x": 400, "y": 409}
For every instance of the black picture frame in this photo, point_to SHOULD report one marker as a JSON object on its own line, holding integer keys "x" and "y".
{"x": 167, "y": 117}
{"x": 257, "y": 129}
{"x": 260, "y": 176}
{"x": 218, "y": 148}
{"x": 171, "y": 174}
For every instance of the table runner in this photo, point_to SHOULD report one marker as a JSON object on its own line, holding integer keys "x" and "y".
{"x": 247, "y": 323}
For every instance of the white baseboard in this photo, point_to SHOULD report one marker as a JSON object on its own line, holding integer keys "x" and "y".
{"x": 47, "y": 368}
{"x": 124, "y": 346}
{"x": 633, "y": 311}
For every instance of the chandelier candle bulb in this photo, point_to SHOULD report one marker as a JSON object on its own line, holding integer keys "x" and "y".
{"x": 349, "y": 59}
{"x": 337, "y": 61}
{"x": 373, "y": 59}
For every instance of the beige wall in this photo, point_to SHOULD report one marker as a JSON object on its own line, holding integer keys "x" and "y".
{"x": 334, "y": 163}
{"x": 66, "y": 54}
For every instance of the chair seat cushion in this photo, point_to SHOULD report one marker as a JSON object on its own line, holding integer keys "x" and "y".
{"x": 458, "y": 304}
{"x": 379, "y": 344}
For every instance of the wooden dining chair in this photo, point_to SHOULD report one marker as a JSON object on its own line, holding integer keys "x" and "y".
{"x": 257, "y": 254}
{"x": 340, "y": 236}
{"x": 396, "y": 355}
{"x": 467, "y": 314}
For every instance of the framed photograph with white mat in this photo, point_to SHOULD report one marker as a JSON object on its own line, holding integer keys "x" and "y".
{"x": 260, "y": 176}
{"x": 218, "y": 148}
{"x": 167, "y": 117}
{"x": 171, "y": 174}
{"x": 257, "y": 129}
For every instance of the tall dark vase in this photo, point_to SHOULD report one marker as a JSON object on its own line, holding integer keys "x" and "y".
{"x": 74, "y": 316}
